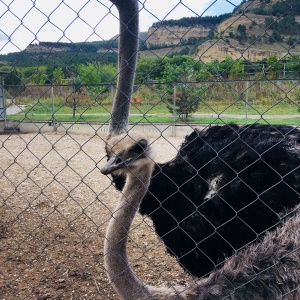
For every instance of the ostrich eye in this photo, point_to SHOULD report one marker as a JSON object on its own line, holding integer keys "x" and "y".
{"x": 139, "y": 147}
{"x": 143, "y": 144}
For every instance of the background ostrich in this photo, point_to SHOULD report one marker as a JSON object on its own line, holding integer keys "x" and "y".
{"x": 266, "y": 270}
{"x": 226, "y": 185}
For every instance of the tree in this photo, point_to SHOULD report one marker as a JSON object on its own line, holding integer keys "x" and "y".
{"x": 12, "y": 80}
{"x": 179, "y": 72}
{"x": 214, "y": 69}
{"x": 220, "y": 69}
{"x": 274, "y": 67}
{"x": 288, "y": 25}
{"x": 275, "y": 37}
{"x": 237, "y": 70}
{"x": 13, "y": 77}
{"x": 204, "y": 74}
{"x": 40, "y": 75}
{"x": 270, "y": 23}
{"x": 242, "y": 30}
{"x": 90, "y": 75}
{"x": 241, "y": 33}
{"x": 269, "y": 10}
{"x": 226, "y": 66}
{"x": 57, "y": 75}
{"x": 294, "y": 64}
{"x": 108, "y": 73}
{"x": 188, "y": 99}
{"x": 149, "y": 68}
{"x": 292, "y": 41}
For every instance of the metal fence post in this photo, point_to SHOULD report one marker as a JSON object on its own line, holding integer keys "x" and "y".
{"x": 2, "y": 104}
{"x": 174, "y": 111}
{"x": 247, "y": 100}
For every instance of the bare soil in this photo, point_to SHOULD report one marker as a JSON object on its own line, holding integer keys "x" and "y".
{"x": 54, "y": 208}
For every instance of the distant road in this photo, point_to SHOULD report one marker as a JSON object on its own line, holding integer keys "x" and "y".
{"x": 242, "y": 116}
{"x": 13, "y": 109}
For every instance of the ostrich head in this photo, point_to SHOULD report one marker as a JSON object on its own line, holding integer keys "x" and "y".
{"x": 128, "y": 154}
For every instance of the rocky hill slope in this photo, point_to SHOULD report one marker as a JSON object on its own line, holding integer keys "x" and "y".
{"x": 255, "y": 29}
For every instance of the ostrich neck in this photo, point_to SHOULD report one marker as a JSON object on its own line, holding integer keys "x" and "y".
{"x": 128, "y": 51}
{"x": 124, "y": 280}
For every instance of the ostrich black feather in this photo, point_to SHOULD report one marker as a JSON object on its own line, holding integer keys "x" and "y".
{"x": 224, "y": 189}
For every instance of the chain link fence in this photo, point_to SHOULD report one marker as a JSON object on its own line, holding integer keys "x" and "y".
{"x": 59, "y": 69}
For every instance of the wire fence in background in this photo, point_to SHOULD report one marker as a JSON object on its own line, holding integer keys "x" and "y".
{"x": 242, "y": 67}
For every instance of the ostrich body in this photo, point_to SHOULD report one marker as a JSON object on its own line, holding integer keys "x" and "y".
{"x": 267, "y": 270}
{"x": 226, "y": 186}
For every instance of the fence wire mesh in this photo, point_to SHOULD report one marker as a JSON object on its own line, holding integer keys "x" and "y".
{"x": 58, "y": 70}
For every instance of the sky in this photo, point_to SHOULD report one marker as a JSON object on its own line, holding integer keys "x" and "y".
{"x": 23, "y": 22}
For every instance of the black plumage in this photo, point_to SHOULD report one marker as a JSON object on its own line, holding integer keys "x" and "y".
{"x": 226, "y": 186}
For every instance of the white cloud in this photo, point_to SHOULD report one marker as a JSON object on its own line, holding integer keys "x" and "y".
{"x": 25, "y": 21}
{"x": 3, "y": 37}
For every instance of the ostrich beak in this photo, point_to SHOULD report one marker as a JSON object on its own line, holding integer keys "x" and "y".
{"x": 115, "y": 163}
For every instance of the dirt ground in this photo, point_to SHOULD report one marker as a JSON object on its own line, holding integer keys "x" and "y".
{"x": 54, "y": 208}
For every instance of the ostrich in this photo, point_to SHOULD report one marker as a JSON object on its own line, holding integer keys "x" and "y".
{"x": 225, "y": 187}
{"x": 265, "y": 270}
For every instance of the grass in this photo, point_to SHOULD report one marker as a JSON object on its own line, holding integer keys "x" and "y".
{"x": 152, "y": 119}
{"x": 157, "y": 112}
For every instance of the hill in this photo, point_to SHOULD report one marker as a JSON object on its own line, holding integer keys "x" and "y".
{"x": 254, "y": 30}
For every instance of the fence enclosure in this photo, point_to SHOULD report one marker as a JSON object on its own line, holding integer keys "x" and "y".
{"x": 55, "y": 104}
